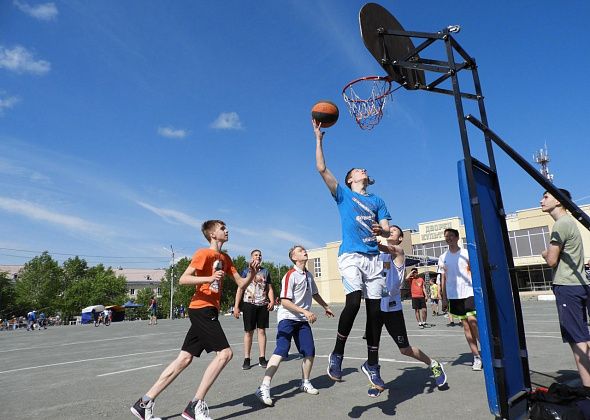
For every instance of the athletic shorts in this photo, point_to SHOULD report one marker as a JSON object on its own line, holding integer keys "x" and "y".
{"x": 255, "y": 316}
{"x": 362, "y": 272}
{"x": 571, "y": 304}
{"x": 396, "y": 327}
{"x": 462, "y": 308}
{"x": 205, "y": 332}
{"x": 300, "y": 332}
{"x": 418, "y": 303}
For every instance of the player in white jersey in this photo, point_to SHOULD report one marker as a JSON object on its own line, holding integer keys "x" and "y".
{"x": 391, "y": 314}
{"x": 298, "y": 288}
{"x": 457, "y": 288}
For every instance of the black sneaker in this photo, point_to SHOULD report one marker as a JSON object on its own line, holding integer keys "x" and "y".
{"x": 246, "y": 364}
{"x": 196, "y": 410}
{"x": 262, "y": 362}
{"x": 143, "y": 410}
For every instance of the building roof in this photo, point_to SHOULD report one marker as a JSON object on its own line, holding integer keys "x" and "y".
{"x": 138, "y": 275}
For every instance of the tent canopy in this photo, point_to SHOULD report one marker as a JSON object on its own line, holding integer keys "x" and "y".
{"x": 97, "y": 308}
{"x": 130, "y": 304}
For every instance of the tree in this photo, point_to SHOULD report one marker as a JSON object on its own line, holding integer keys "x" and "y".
{"x": 39, "y": 284}
{"x": 7, "y": 296}
{"x": 107, "y": 287}
{"x": 143, "y": 297}
{"x": 182, "y": 294}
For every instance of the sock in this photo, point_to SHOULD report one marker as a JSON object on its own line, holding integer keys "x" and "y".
{"x": 261, "y": 359}
{"x": 340, "y": 342}
{"x": 305, "y": 381}
{"x": 146, "y": 399}
{"x": 195, "y": 399}
{"x": 433, "y": 362}
{"x": 265, "y": 383}
{"x": 373, "y": 353}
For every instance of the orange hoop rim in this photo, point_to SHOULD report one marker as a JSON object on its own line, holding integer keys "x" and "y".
{"x": 369, "y": 78}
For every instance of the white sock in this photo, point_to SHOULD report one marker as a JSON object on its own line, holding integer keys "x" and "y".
{"x": 265, "y": 384}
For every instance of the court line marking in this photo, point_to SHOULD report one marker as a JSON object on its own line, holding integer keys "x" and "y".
{"x": 128, "y": 370}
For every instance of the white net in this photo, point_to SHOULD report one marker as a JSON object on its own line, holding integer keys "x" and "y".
{"x": 366, "y": 99}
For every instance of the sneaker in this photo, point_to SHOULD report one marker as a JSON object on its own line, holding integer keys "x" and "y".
{"x": 420, "y": 325}
{"x": 196, "y": 410}
{"x": 451, "y": 324}
{"x": 262, "y": 362}
{"x": 372, "y": 372}
{"x": 439, "y": 374}
{"x": 263, "y": 394}
{"x": 476, "y": 363}
{"x": 335, "y": 366}
{"x": 373, "y": 392}
{"x": 143, "y": 410}
{"x": 246, "y": 364}
{"x": 308, "y": 388}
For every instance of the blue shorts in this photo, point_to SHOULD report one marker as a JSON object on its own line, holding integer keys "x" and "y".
{"x": 300, "y": 332}
{"x": 571, "y": 304}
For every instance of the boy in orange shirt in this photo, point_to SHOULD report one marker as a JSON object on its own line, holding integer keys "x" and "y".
{"x": 418, "y": 291}
{"x": 205, "y": 272}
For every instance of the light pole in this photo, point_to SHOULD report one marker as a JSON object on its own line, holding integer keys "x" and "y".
{"x": 172, "y": 282}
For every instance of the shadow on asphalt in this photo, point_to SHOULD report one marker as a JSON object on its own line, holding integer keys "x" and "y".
{"x": 413, "y": 381}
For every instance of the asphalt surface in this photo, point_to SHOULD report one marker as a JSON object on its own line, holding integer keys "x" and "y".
{"x": 83, "y": 372}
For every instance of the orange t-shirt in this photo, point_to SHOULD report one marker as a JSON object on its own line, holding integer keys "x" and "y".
{"x": 202, "y": 262}
{"x": 417, "y": 287}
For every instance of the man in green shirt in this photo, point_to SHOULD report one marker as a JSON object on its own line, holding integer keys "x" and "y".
{"x": 565, "y": 254}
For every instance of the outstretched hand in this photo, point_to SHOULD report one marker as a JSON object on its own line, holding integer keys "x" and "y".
{"x": 317, "y": 129}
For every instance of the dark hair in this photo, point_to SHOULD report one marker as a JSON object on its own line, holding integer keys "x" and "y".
{"x": 255, "y": 250}
{"x": 414, "y": 269}
{"x": 209, "y": 226}
{"x": 453, "y": 231}
{"x": 346, "y": 181}
{"x": 401, "y": 232}
{"x": 563, "y": 191}
{"x": 293, "y": 249}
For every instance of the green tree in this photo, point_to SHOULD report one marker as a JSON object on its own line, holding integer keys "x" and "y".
{"x": 143, "y": 297}
{"x": 182, "y": 294}
{"x": 7, "y": 296}
{"x": 77, "y": 287}
{"x": 39, "y": 285}
{"x": 108, "y": 288}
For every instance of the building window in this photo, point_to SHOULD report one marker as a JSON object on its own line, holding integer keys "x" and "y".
{"x": 159, "y": 291}
{"x": 317, "y": 267}
{"x": 529, "y": 242}
{"x": 132, "y": 292}
{"x": 534, "y": 277}
{"x": 431, "y": 249}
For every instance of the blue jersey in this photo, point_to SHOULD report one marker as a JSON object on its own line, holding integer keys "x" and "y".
{"x": 357, "y": 213}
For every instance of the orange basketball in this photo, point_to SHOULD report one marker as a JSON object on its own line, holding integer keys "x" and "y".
{"x": 325, "y": 112}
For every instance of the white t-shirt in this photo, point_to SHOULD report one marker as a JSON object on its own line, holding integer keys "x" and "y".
{"x": 299, "y": 287}
{"x": 393, "y": 279}
{"x": 458, "y": 273}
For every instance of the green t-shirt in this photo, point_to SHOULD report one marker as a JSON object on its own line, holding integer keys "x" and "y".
{"x": 570, "y": 267}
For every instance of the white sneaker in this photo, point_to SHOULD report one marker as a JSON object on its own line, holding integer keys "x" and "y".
{"x": 308, "y": 388}
{"x": 476, "y": 363}
{"x": 263, "y": 394}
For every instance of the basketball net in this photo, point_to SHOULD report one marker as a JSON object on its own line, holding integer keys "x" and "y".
{"x": 366, "y": 97}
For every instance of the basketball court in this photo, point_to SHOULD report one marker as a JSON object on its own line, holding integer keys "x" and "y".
{"x": 97, "y": 373}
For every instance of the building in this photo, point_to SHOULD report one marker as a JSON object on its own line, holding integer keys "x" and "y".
{"x": 528, "y": 233}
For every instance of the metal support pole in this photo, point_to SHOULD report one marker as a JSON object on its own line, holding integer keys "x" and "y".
{"x": 172, "y": 283}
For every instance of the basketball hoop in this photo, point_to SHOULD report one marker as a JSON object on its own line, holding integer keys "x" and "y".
{"x": 367, "y": 112}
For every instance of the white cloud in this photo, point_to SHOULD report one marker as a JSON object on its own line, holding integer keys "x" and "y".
{"x": 227, "y": 121}
{"x": 7, "y": 102}
{"x": 12, "y": 170}
{"x": 36, "y": 212}
{"x": 292, "y": 238}
{"x": 172, "y": 216}
{"x": 172, "y": 133}
{"x": 21, "y": 60}
{"x": 45, "y": 11}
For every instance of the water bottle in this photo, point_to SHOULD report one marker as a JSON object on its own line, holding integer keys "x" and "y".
{"x": 217, "y": 265}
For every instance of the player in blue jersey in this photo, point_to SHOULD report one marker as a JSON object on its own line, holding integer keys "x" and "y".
{"x": 362, "y": 216}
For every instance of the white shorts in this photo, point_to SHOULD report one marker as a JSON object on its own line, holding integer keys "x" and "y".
{"x": 362, "y": 272}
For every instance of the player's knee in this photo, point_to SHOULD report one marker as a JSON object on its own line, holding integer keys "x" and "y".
{"x": 225, "y": 355}
{"x": 184, "y": 359}
{"x": 353, "y": 300}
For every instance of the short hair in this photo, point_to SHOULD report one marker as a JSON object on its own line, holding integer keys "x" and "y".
{"x": 348, "y": 183}
{"x": 209, "y": 226}
{"x": 401, "y": 232}
{"x": 563, "y": 191}
{"x": 293, "y": 248}
{"x": 255, "y": 250}
{"x": 453, "y": 231}
{"x": 414, "y": 269}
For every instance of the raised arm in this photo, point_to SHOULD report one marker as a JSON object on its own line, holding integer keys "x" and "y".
{"x": 189, "y": 278}
{"x": 243, "y": 282}
{"x": 327, "y": 176}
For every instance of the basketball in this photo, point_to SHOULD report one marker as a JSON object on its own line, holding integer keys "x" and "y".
{"x": 325, "y": 112}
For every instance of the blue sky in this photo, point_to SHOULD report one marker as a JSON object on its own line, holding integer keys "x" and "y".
{"x": 125, "y": 124}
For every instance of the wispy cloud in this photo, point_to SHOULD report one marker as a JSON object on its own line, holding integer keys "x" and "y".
{"x": 172, "y": 133}
{"x": 21, "y": 60}
{"x": 14, "y": 170}
{"x": 36, "y": 212}
{"x": 292, "y": 238}
{"x": 228, "y": 121}
{"x": 172, "y": 216}
{"x": 44, "y": 11}
{"x": 7, "y": 102}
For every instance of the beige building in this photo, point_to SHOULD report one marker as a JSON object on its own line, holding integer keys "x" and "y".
{"x": 528, "y": 233}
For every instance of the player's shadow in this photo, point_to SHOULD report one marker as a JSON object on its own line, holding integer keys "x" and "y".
{"x": 465, "y": 359}
{"x": 568, "y": 377}
{"x": 413, "y": 381}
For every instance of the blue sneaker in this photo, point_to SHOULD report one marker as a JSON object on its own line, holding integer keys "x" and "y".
{"x": 335, "y": 366}
{"x": 439, "y": 374}
{"x": 372, "y": 372}
{"x": 373, "y": 392}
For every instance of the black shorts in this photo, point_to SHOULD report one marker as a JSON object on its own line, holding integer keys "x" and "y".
{"x": 434, "y": 301}
{"x": 572, "y": 303}
{"x": 254, "y": 316}
{"x": 205, "y": 332}
{"x": 462, "y": 308}
{"x": 418, "y": 303}
{"x": 396, "y": 327}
